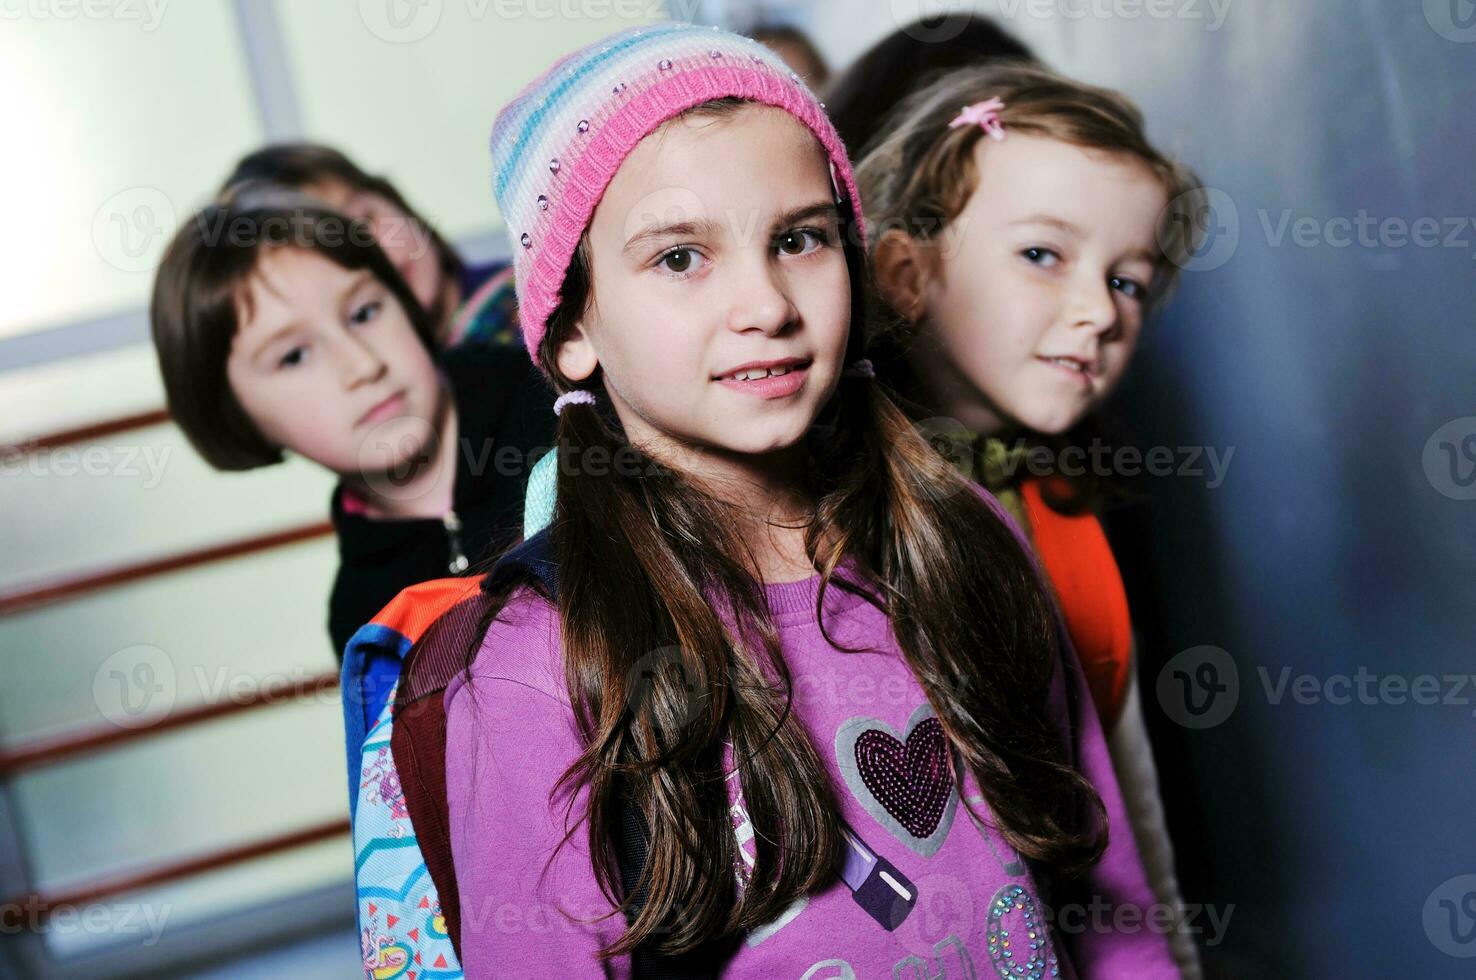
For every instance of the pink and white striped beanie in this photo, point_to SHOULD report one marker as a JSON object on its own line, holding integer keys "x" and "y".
{"x": 557, "y": 145}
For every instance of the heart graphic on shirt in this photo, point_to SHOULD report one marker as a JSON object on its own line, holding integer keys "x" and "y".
{"x": 903, "y": 779}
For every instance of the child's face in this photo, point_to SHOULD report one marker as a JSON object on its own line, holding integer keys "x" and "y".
{"x": 327, "y": 364}
{"x": 715, "y": 247}
{"x": 1038, "y": 301}
{"x": 404, "y": 240}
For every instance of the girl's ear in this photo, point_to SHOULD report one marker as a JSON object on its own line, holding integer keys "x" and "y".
{"x": 901, "y": 272}
{"x": 576, "y": 356}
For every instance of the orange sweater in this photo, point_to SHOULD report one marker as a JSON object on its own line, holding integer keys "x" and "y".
{"x": 1078, "y": 561}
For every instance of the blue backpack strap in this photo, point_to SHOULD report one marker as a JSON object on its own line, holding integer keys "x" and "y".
{"x": 534, "y": 554}
{"x": 371, "y": 668}
{"x": 540, "y": 494}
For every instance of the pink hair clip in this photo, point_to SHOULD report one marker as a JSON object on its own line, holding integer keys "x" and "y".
{"x": 985, "y": 114}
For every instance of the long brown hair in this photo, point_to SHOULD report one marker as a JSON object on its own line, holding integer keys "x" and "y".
{"x": 640, "y": 558}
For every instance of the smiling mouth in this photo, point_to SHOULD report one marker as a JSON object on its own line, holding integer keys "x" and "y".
{"x": 756, "y": 373}
{"x": 383, "y": 410}
{"x": 1081, "y": 367}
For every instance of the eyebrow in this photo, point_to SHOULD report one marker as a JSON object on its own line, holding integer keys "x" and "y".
{"x": 362, "y": 278}
{"x": 698, "y": 229}
{"x": 679, "y": 229}
{"x": 808, "y": 212}
{"x": 1052, "y": 221}
{"x": 249, "y": 309}
{"x": 259, "y": 350}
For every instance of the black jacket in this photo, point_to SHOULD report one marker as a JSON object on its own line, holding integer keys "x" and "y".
{"x": 501, "y": 401}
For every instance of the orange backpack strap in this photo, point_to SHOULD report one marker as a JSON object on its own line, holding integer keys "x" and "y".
{"x": 416, "y": 607}
{"x": 1074, "y": 552}
{"x": 376, "y": 653}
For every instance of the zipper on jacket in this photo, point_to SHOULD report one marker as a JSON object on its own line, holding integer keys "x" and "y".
{"x": 459, "y": 562}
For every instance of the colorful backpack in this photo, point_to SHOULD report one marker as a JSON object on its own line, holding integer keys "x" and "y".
{"x": 395, "y": 673}
{"x": 489, "y": 316}
{"x": 402, "y": 931}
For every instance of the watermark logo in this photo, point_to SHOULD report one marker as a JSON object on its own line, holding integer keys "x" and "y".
{"x": 129, "y": 225}
{"x": 134, "y": 686}
{"x": 665, "y": 206}
{"x": 400, "y": 21}
{"x": 1450, "y": 916}
{"x": 1202, "y": 230}
{"x": 952, "y": 440}
{"x": 945, "y": 910}
{"x": 1449, "y": 459}
{"x": 1199, "y": 687}
{"x": 932, "y": 21}
{"x": 1454, "y": 20}
{"x": 395, "y": 455}
{"x": 641, "y": 689}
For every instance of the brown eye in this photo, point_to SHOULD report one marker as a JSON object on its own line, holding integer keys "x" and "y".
{"x": 680, "y": 261}
{"x": 799, "y": 242}
{"x": 365, "y": 313}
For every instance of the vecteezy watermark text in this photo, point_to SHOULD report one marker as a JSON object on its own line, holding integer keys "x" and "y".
{"x": 149, "y": 13}
{"x": 1200, "y": 687}
{"x": 144, "y": 463}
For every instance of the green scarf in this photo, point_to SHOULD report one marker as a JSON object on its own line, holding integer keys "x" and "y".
{"x": 998, "y": 467}
{"x": 994, "y": 464}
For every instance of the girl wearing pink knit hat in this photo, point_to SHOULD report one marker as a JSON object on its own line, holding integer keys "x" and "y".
{"x": 816, "y": 666}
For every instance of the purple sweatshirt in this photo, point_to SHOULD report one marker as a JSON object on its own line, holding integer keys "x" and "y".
{"x": 925, "y": 891}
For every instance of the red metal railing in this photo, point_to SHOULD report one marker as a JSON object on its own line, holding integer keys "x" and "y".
{"x": 33, "y": 908}
{"x": 34, "y": 595}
